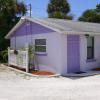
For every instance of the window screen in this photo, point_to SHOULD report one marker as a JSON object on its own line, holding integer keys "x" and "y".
{"x": 40, "y": 45}
{"x": 90, "y": 47}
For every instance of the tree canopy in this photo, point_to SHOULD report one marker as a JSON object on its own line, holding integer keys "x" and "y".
{"x": 9, "y": 9}
{"x": 59, "y": 9}
{"x": 91, "y": 15}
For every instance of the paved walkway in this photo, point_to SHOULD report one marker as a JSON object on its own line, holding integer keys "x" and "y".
{"x": 16, "y": 86}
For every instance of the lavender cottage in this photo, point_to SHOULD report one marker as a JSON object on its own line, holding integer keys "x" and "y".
{"x": 62, "y": 46}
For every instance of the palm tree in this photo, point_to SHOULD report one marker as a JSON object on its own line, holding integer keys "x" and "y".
{"x": 59, "y": 9}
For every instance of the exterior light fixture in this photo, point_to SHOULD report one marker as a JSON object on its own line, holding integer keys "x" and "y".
{"x": 86, "y": 35}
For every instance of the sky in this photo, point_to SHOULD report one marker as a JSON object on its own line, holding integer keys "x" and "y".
{"x": 39, "y": 7}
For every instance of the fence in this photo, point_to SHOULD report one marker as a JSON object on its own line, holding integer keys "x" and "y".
{"x": 20, "y": 60}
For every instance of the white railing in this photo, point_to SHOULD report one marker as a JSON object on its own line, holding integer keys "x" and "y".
{"x": 20, "y": 60}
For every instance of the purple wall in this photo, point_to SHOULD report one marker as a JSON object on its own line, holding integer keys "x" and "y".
{"x": 73, "y": 53}
{"x": 33, "y": 28}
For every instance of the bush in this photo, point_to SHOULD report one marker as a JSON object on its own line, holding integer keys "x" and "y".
{"x": 4, "y": 56}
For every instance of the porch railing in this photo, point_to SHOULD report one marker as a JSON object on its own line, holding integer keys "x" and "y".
{"x": 20, "y": 60}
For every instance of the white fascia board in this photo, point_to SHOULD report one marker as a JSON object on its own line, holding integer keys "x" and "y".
{"x": 37, "y": 21}
{"x": 14, "y": 28}
{"x": 79, "y": 33}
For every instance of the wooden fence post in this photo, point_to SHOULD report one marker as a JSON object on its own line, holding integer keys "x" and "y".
{"x": 27, "y": 60}
{"x": 8, "y": 56}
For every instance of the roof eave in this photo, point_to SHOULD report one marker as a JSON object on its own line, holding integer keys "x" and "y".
{"x": 14, "y": 28}
{"x": 80, "y": 33}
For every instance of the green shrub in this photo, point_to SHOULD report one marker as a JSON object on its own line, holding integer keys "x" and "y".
{"x": 4, "y": 56}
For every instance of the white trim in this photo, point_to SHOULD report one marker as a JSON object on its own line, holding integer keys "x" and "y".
{"x": 37, "y": 21}
{"x": 41, "y": 46}
{"x": 14, "y": 28}
{"x": 40, "y": 53}
{"x": 80, "y": 33}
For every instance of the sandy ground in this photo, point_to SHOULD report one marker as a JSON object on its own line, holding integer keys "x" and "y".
{"x": 16, "y": 86}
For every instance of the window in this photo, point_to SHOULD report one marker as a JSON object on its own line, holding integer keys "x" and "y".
{"x": 90, "y": 47}
{"x": 40, "y": 45}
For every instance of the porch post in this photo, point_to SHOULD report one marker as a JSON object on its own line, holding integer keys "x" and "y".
{"x": 8, "y": 56}
{"x": 27, "y": 60}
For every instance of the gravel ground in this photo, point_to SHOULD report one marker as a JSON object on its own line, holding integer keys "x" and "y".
{"x": 16, "y": 86}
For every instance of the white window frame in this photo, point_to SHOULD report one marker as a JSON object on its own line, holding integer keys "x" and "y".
{"x": 92, "y": 48}
{"x": 40, "y": 52}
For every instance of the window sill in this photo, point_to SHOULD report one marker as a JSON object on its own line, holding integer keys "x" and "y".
{"x": 41, "y": 54}
{"x": 91, "y": 60}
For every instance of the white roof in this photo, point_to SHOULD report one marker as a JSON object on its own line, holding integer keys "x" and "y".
{"x": 62, "y": 26}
